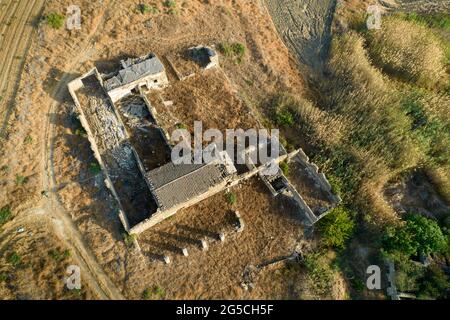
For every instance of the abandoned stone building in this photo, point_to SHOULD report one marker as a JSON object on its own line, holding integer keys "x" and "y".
{"x": 145, "y": 71}
{"x": 148, "y": 187}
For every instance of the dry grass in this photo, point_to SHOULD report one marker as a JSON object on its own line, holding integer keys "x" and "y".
{"x": 410, "y": 51}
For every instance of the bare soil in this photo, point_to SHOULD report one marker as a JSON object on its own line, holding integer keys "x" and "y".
{"x": 55, "y": 159}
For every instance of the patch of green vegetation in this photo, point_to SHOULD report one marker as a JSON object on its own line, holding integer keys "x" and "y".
{"x": 170, "y": 3}
{"x": 15, "y": 259}
{"x": 337, "y": 227}
{"x": 3, "y": 276}
{"x": 231, "y": 198}
{"x": 181, "y": 126}
{"x": 4, "y": 168}
{"x": 434, "y": 284}
{"x": 28, "y": 140}
{"x": 431, "y": 134}
{"x": 284, "y": 118}
{"x": 431, "y": 20}
{"x": 5, "y": 215}
{"x": 95, "y": 168}
{"x": 81, "y": 132}
{"x": 320, "y": 273}
{"x": 21, "y": 180}
{"x": 418, "y": 236}
{"x": 129, "y": 239}
{"x": 154, "y": 293}
{"x": 145, "y": 8}
{"x": 284, "y": 166}
{"x": 54, "y": 20}
{"x": 233, "y": 50}
{"x": 58, "y": 255}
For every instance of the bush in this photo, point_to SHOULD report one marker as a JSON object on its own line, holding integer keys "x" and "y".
{"x": 408, "y": 50}
{"x": 145, "y": 8}
{"x": 156, "y": 292}
{"x": 418, "y": 236}
{"x": 320, "y": 274}
{"x": 21, "y": 180}
{"x": 231, "y": 198}
{"x": 234, "y": 50}
{"x": 5, "y": 215}
{"x": 15, "y": 259}
{"x": 95, "y": 168}
{"x": 434, "y": 284}
{"x": 337, "y": 227}
{"x": 55, "y": 20}
{"x": 59, "y": 256}
{"x": 284, "y": 118}
{"x": 284, "y": 166}
{"x": 170, "y": 3}
{"x": 129, "y": 239}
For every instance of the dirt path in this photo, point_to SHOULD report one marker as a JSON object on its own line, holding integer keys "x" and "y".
{"x": 304, "y": 27}
{"x": 17, "y": 30}
{"x": 424, "y": 5}
{"x": 17, "y": 33}
{"x": 64, "y": 225}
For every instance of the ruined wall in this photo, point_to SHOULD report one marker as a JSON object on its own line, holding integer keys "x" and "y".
{"x": 319, "y": 178}
{"x": 153, "y": 81}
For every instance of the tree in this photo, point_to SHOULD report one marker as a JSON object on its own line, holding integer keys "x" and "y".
{"x": 419, "y": 235}
{"x": 337, "y": 227}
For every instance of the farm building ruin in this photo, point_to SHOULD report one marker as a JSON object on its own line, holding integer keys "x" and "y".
{"x": 134, "y": 151}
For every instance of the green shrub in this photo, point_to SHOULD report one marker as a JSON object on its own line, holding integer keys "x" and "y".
{"x": 419, "y": 235}
{"x": 154, "y": 293}
{"x": 284, "y": 166}
{"x": 320, "y": 274}
{"x": 234, "y": 50}
{"x": 21, "y": 180}
{"x": 129, "y": 239}
{"x": 55, "y": 20}
{"x": 5, "y": 215}
{"x": 432, "y": 20}
{"x": 3, "y": 276}
{"x": 95, "y": 168}
{"x": 28, "y": 140}
{"x": 434, "y": 284}
{"x": 231, "y": 198}
{"x": 337, "y": 227}
{"x": 15, "y": 259}
{"x": 170, "y": 3}
{"x": 284, "y": 118}
{"x": 59, "y": 256}
{"x": 145, "y": 8}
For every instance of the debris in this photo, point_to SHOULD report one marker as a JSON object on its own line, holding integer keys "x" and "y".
{"x": 166, "y": 259}
{"x": 185, "y": 252}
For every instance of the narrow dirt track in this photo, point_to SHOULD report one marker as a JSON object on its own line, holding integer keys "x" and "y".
{"x": 62, "y": 221}
{"x": 305, "y": 28}
{"x": 16, "y": 21}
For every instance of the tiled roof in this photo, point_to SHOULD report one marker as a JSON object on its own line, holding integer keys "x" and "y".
{"x": 174, "y": 184}
{"x": 133, "y": 72}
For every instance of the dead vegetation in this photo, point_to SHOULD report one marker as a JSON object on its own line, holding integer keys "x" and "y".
{"x": 408, "y": 50}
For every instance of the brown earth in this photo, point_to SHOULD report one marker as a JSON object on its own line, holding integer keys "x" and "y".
{"x": 43, "y": 146}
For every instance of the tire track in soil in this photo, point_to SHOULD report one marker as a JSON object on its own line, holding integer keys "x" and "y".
{"x": 14, "y": 44}
{"x": 64, "y": 225}
{"x": 305, "y": 28}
